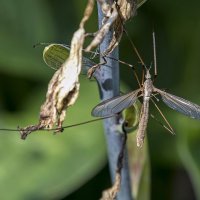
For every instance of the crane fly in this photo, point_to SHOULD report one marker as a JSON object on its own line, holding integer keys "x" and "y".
{"x": 147, "y": 91}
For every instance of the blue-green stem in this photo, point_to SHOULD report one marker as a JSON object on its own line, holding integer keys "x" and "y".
{"x": 108, "y": 80}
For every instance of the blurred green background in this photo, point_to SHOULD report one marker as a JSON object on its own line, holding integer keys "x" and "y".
{"x": 54, "y": 167}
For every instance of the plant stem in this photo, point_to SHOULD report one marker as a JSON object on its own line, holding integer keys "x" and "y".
{"x": 108, "y": 80}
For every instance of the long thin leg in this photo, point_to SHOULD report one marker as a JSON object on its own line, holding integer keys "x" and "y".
{"x": 131, "y": 66}
{"x": 132, "y": 44}
{"x": 170, "y": 127}
{"x": 93, "y": 68}
{"x": 93, "y": 55}
{"x": 143, "y": 74}
{"x": 136, "y": 76}
{"x": 134, "y": 48}
{"x": 154, "y": 56}
{"x": 167, "y": 128}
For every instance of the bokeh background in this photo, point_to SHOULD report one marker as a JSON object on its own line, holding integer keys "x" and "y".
{"x": 72, "y": 165}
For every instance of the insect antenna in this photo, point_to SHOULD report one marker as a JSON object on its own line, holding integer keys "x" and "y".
{"x": 150, "y": 66}
{"x": 41, "y": 44}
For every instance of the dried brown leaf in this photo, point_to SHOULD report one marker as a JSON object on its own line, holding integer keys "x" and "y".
{"x": 105, "y": 5}
{"x": 107, "y": 22}
{"x": 87, "y": 13}
{"x": 115, "y": 16}
{"x": 111, "y": 193}
{"x": 63, "y": 89}
{"x": 126, "y": 9}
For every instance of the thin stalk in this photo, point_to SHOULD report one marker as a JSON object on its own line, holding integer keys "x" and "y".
{"x": 108, "y": 80}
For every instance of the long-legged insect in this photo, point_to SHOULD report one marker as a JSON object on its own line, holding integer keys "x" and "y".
{"x": 55, "y": 55}
{"x": 117, "y": 104}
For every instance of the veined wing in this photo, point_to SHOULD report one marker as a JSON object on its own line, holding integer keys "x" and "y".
{"x": 179, "y": 104}
{"x": 115, "y": 105}
{"x": 55, "y": 55}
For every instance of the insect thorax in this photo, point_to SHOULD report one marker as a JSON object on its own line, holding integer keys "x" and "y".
{"x": 148, "y": 88}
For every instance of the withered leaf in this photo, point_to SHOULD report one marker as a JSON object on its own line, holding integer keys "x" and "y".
{"x": 126, "y": 9}
{"x": 115, "y": 16}
{"x": 111, "y": 193}
{"x": 63, "y": 89}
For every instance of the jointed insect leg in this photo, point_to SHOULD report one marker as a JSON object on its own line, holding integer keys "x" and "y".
{"x": 154, "y": 56}
{"x": 93, "y": 68}
{"x": 170, "y": 129}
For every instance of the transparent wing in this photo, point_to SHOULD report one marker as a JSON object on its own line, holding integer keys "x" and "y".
{"x": 86, "y": 64}
{"x": 115, "y": 105}
{"x": 181, "y": 105}
{"x": 55, "y": 55}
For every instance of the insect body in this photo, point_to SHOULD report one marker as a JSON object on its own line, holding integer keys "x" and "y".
{"x": 118, "y": 104}
{"x": 147, "y": 91}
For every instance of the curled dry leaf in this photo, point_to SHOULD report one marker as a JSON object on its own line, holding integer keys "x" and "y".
{"x": 111, "y": 193}
{"x": 115, "y": 16}
{"x": 126, "y": 10}
{"x": 64, "y": 86}
{"x": 63, "y": 89}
